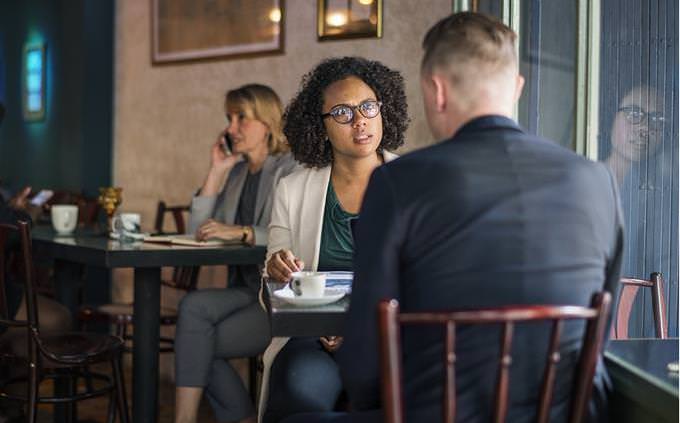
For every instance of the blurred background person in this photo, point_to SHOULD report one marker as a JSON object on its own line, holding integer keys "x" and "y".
{"x": 234, "y": 204}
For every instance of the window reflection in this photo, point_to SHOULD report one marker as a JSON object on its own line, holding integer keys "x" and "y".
{"x": 638, "y": 140}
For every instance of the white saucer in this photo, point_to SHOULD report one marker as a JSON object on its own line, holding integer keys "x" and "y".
{"x": 331, "y": 295}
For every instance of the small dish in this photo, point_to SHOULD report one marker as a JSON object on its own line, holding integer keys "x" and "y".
{"x": 331, "y": 295}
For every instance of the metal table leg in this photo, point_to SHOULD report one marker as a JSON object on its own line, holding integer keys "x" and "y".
{"x": 145, "y": 345}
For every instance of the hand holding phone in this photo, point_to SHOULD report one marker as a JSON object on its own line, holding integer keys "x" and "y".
{"x": 41, "y": 198}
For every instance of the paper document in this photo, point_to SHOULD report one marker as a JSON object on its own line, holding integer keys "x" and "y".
{"x": 188, "y": 239}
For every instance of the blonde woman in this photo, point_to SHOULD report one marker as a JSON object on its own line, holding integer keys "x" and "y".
{"x": 234, "y": 203}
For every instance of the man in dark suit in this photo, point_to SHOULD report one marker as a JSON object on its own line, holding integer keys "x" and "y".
{"x": 489, "y": 216}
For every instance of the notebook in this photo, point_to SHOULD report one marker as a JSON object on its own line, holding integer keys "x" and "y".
{"x": 189, "y": 240}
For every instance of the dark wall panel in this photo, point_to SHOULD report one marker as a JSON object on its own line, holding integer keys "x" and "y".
{"x": 71, "y": 147}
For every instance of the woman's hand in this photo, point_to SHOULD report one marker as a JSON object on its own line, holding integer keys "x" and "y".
{"x": 214, "y": 229}
{"x": 282, "y": 264}
{"x": 331, "y": 343}
{"x": 220, "y": 160}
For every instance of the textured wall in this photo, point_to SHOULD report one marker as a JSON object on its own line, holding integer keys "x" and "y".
{"x": 166, "y": 117}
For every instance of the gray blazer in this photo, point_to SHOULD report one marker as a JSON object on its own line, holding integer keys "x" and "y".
{"x": 222, "y": 207}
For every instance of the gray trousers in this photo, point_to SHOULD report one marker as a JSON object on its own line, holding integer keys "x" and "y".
{"x": 215, "y": 325}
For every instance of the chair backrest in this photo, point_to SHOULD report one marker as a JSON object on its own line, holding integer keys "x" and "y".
{"x": 183, "y": 277}
{"x": 390, "y": 321}
{"x": 177, "y": 213}
{"x": 630, "y": 288}
{"x": 22, "y": 231}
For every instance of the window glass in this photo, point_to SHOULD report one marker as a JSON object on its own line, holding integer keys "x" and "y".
{"x": 547, "y": 54}
{"x": 638, "y": 140}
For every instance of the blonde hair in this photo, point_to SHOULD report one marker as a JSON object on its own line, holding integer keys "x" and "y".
{"x": 261, "y": 102}
{"x": 470, "y": 48}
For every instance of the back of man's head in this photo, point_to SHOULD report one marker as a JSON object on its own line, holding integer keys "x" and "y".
{"x": 475, "y": 52}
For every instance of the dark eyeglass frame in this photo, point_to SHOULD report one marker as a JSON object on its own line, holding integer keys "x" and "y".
{"x": 359, "y": 107}
{"x": 635, "y": 116}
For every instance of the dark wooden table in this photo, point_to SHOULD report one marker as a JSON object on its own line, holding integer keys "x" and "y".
{"x": 644, "y": 388}
{"x": 71, "y": 253}
{"x": 290, "y": 320}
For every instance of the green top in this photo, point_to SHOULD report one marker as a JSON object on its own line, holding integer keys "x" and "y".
{"x": 337, "y": 245}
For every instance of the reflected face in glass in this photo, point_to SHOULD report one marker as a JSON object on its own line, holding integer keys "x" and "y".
{"x": 360, "y": 136}
{"x": 247, "y": 133}
{"x": 638, "y": 125}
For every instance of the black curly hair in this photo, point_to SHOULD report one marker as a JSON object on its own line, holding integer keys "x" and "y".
{"x": 303, "y": 125}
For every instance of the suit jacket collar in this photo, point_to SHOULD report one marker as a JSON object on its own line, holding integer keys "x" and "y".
{"x": 265, "y": 187}
{"x": 485, "y": 123}
{"x": 235, "y": 188}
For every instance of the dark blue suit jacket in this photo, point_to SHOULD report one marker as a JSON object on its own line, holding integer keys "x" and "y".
{"x": 490, "y": 217}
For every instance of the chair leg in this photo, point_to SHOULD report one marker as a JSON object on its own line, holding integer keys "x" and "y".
{"x": 32, "y": 388}
{"x": 88, "y": 378}
{"x": 71, "y": 407}
{"x": 112, "y": 408}
{"x": 119, "y": 384}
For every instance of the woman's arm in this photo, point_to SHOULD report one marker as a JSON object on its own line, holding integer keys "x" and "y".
{"x": 204, "y": 203}
{"x": 281, "y": 261}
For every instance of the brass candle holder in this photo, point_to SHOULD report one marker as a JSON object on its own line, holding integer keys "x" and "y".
{"x": 109, "y": 199}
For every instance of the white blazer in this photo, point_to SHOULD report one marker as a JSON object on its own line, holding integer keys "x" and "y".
{"x": 296, "y": 223}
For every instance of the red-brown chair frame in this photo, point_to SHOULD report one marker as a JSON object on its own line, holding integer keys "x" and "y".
{"x": 390, "y": 321}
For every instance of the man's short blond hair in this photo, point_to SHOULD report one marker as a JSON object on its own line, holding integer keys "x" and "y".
{"x": 470, "y": 48}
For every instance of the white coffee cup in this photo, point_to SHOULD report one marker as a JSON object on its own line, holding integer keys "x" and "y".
{"x": 124, "y": 224}
{"x": 64, "y": 218}
{"x": 308, "y": 284}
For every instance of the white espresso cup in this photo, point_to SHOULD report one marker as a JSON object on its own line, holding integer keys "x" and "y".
{"x": 126, "y": 223}
{"x": 308, "y": 284}
{"x": 64, "y": 218}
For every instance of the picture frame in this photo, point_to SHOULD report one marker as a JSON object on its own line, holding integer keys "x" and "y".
{"x": 347, "y": 19}
{"x": 185, "y": 30}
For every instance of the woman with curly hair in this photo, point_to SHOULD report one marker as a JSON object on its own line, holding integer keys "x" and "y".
{"x": 341, "y": 125}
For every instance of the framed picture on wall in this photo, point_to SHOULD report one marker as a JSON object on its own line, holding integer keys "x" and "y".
{"x": 342, "y": 19}
{"x": 202, "y": 29}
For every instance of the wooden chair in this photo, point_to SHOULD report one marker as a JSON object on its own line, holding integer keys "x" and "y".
{"x": 630, "y": 288}
{"x": 390, "y": 321}
{"x": 177, "y": 213}
{"x": 58, "y": 356}
{"x": 183, "y": 278}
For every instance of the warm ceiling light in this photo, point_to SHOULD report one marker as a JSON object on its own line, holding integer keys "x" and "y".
{"x": 336, "y": 19}
{"x": 366, "y": 2}
{"x": 275, "y": 15}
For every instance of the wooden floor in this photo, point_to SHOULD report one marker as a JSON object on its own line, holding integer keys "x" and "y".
{"x": 95, "y": 410}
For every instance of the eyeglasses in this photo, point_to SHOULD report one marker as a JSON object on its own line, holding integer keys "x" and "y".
{"x": 635, "y": 116}
{"x": 344, "y": 113}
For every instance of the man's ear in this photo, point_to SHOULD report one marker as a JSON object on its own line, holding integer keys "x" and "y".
{"x": 519, "y": 84}
{"x": 441, "y": 92}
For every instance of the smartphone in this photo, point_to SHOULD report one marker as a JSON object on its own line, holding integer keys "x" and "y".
{"x": 227, "y": 144}
{"x": 42, "y": 197}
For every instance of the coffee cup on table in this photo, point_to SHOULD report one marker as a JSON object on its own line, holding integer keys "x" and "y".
{"x": 126, "y": 224}
{"x": 64, "y": 218}
{"x": 308, "y": 284}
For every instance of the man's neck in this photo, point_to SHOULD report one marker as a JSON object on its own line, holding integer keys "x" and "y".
{"x": 458, "y": 120}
